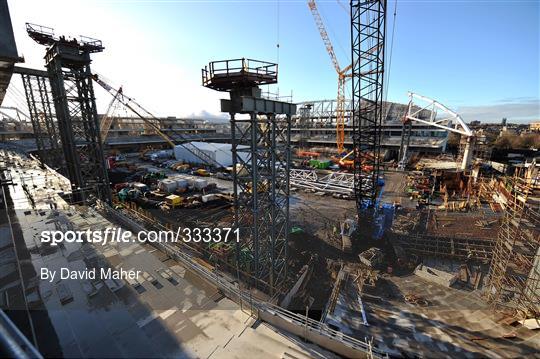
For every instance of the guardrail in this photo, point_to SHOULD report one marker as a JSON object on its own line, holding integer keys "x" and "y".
{"x": 310, "y": 329}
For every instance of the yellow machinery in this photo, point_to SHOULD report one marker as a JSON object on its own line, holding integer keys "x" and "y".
{"x": 174, "y": 200}
{"x": 202, "y": 172}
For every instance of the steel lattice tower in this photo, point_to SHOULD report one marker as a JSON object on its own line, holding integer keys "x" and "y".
{"x": 368, "y": 28}
{"x": 37, "y": 89}
{"x": 261, "y": 163}
{"x": 68, "y": 65}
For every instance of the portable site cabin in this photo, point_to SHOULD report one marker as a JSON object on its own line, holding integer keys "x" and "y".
{"x": 219, "y": 152}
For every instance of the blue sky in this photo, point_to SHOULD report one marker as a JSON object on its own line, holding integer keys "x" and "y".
{"x": 480, "y": 58}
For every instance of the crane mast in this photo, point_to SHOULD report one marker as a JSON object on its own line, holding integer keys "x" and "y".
{"x": 368, "y": 30}
{"x": 343, "y": 74}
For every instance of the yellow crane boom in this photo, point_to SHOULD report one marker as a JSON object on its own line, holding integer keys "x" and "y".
{"x": 343, "y": 74}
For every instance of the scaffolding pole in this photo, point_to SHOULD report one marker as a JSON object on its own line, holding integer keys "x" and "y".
{"x": 514, "y": 274}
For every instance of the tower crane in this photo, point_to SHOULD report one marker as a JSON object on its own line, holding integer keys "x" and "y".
{"x": 343, "y": 75}
{"x": 368, "y": 32}
{"x": 154, "y": 123}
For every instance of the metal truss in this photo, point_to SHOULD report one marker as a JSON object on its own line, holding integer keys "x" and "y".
{"x": 323, "y": 111}
{"x": 68, "y": 66}
{"x": 451, "y": 121}
{"x": 514, "y": 274}
{"x": 368, "y": 29}
{"x": 261, "y": 158}
{"x": 42, "y": 115}
{"x": 339, "y": 183}
{"x": 261, "y": 147}
{"x": 303, "y": 123}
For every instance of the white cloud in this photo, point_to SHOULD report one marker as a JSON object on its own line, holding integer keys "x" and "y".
{"x": 519, "y": 110}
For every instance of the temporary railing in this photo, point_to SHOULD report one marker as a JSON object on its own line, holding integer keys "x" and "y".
{"x": 266, "y": 72}
{"x": 44, "y": 35}
{"x": 256, "y": 306}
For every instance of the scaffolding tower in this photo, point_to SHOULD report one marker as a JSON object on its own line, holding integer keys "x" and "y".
{"x": 261, "y": 150}
{"x": 514, "y": 274}
{"x": 68, "y": 65}
{"x": 368, "y": 28}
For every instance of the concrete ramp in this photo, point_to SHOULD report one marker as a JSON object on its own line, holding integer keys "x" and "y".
{"x": 8, "y": 49}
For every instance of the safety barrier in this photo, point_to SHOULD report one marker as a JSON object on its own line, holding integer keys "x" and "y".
{"x": 312, "y": 330}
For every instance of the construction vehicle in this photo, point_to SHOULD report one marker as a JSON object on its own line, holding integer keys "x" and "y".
{"x": 201, "y": 172}
{"x": 143, "y": 153}
{"x": 174, "y": 200}
{"x": 180, "y": 167}
{"x": 344, "y": 74}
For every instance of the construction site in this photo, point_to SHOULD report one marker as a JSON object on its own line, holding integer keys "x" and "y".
{"x": 318, "y": 229}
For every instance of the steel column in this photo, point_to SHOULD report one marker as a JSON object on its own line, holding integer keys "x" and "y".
{"x": 261, "y": 153}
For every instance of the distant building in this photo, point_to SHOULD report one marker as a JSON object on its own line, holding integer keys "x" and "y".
{"x": 503, "y": 122}
{"x": 534, "y": 126}
{"x": 505, "y": 130}
{"x": 314, "y": 126}
{"x": 475, "y": 123}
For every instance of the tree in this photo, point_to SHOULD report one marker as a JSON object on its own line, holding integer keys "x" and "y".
{"x": 510, "y": 141}
{"x": 504, "y": 142}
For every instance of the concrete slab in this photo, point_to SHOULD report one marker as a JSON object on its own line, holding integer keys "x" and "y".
{"x": 165, "y": 320}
